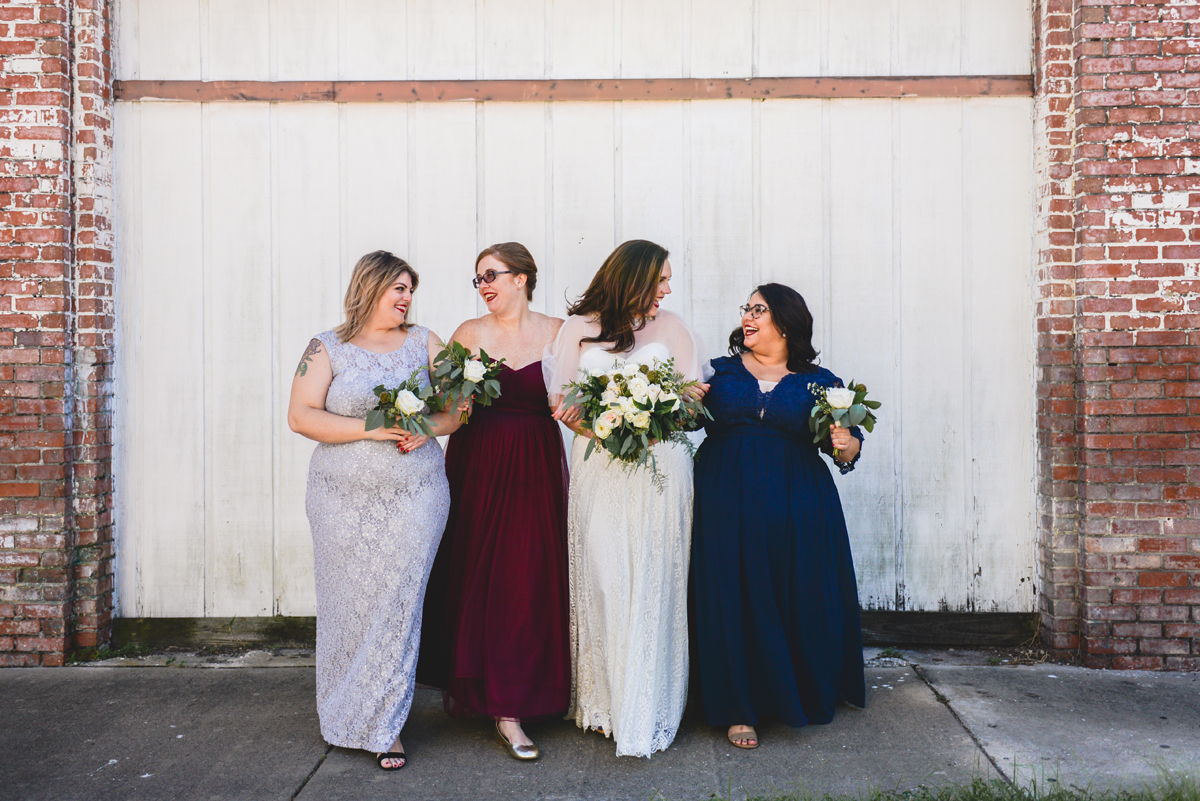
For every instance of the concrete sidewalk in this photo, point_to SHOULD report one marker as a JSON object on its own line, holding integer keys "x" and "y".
{"x": 192, "y": 733}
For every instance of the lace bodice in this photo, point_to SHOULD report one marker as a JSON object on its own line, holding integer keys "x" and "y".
{"x": 357, "y": 371}
{"x": 736, "y": 401}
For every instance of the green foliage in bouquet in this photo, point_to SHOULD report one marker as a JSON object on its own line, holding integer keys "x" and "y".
{"x": 845, "y": 406}
{"x": 404, "y": 406}
{"x": 462, "y": 378}
{"x": 632, "y": 405}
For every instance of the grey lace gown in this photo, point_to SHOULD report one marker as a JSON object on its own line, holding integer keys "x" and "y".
{"x": 377, "y": 517}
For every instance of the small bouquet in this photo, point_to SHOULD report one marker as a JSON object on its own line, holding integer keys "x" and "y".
{"x": 462, "y": 378}
{"x": 630, "y": 405}
{"x": 845, "y": 406}
{"x": 403, "y": 407}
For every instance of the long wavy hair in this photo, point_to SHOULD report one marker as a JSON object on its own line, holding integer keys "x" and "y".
{"x": 373, "y": 274}
{"x": 622, "y": 292}
{"x": 791, "y": 316}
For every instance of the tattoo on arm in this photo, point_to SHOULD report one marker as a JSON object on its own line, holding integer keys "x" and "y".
{"x": 314, "y": 347}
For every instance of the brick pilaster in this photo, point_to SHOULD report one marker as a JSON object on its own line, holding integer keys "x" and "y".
{"x": 56, "y": 323}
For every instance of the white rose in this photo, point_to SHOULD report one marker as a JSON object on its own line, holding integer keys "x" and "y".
{"x": 601, "y": 428}
{"x": 639, "y": 388}
{"x": 625, "y": 405}
{"x": 474, "y": 371}
{"x": 407, "y": 403}
{"x": 641, "y": 420}
{"x": 630, "y": 369}
{"x": 609, "y": 396}
{"x": 667, "y": 397}
{"x": 840, "y": 398}
{"x": 613, "y": 416}
{"x": 655, "y": 392}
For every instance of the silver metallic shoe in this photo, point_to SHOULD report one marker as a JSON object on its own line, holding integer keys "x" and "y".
{"x": 525, "y": 753}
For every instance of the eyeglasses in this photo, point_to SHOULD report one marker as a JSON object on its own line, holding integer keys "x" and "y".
{"x": 488, "y": 277}
{"x": 754, "y": 311}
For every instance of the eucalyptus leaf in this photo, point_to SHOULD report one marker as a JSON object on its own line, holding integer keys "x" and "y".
{"x": 872, "y": 404}
{"x": 857, "y": 414}
{"x": 869, "y": 424}
{"x": 375, "y": 419}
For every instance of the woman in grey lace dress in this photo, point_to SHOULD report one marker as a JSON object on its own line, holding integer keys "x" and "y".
{"x": 377, "y": 504}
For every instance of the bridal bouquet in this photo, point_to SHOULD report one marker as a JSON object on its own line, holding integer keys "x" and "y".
{"x": 845, "y": 406}
{"x": 403, "y": 407}
{"x": 630, "y": 405}
{"x": 462, "y": 378}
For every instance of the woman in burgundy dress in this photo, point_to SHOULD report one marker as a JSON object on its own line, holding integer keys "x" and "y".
{"x": 495, "y": 634}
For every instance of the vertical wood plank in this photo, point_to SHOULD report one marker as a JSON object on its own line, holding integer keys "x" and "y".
{"x": 444, "y": 41}
{"x": 374, "y": 40}
{"x": 722, "y": 38}
{"x": 374, "y": 187}
{"x": 240, "y": 552}
{"x": 791, "y": 229}
{"x": 584, "y": 230}
{"x": 128, "y": 459}
{"x": 722, "y": 238}
{"x": 443, "y": 213}
{"x": 168, "y": 38}
{"x": 126, "y": 41}
{"x": 789, "y": 37}
{"x": 929, "y": 36}
{"x": 932, "y": 336}
{"x": 239, "y": 41}
{"x": 652, "y": 39}
{"x": 513, "y": 205}
{"x": 862, "y": 325}
{"x": 996, "y": 37}
{"x": 171, "y": 427}
{"x": 652, "y": 185}
{"x": 306, "y": 40}
{"x": 307, "y": 291}
{"x": 859, "y": 37}
{"x": 583, "y": 38}
{"x": 998, "y": 407}
{"x": 514, "y": 39}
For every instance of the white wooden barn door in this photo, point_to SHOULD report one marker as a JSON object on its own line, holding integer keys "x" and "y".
{"x": 906, "y": 223}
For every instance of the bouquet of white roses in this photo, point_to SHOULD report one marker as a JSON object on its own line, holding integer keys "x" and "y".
{"x": 846, "y": 406}
{"x": 403, "y": 407}
{"x": 632, "y": 405}
{"x": 462, "y": 378}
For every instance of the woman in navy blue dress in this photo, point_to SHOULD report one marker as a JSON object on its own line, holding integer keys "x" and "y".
{"x": 775, "y": 599}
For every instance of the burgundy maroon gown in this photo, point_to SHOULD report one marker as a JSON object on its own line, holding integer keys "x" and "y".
{"x": 495, "y": 635}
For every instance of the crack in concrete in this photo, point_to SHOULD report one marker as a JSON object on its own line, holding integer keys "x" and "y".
{"x": 311, "y": 773}
{"x": 946, "y": 703}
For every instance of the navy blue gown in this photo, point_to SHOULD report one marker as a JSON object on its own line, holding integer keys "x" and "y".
{"x": 776, "y": 615}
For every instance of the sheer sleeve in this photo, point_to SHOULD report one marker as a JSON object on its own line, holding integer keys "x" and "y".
{"x": 685, "y": 347}
{"x": 560, "y": 360}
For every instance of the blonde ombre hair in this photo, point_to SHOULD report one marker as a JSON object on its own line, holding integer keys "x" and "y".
{"x": 373, "y": 274}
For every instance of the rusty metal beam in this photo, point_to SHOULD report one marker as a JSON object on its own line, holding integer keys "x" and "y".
{"x": 543, "y": 90}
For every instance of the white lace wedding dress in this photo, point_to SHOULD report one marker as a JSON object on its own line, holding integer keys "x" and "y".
{"x": 628, "y": 547}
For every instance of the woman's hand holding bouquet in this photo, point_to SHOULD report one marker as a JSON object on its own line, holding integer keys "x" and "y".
{"x": 463, "y": 379}
{"x": 631, "y": 406}
{"x": 837, "y": 409}
{"x": 403, "y": 407}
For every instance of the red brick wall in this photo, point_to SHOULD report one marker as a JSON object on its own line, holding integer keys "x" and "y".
{"x": 1133, "y": 452}
{"x": 56, "y": 322}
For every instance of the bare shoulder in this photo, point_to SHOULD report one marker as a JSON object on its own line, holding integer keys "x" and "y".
{"x": 314, "y": 353}
{"x": 468, "y": 331}
{"x": 547, "y": 325}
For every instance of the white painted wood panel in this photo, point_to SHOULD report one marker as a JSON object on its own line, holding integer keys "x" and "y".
{"x": 170, "y": 429}
{"x": 933, "y": 329}
{"x": 236, "y": 40}
{"x": 307, "y": 288}
{"x": 513, "y": 199}
{"x": 374, "y": 40}
{"x": 856, "y": 309}
{"x": 652, "y": 184}
{"x": 464, "y": 39}
{"x": 374, "y": 188}
{"x": 721, "y": 239}
{"x": 442, "y": 224}
{"x": 306, "y": 39}
{"x": 168, "y": 37}
{"x": 239, "y": 360}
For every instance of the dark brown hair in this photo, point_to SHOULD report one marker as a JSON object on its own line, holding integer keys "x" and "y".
{"x": 622, "y": 292}
{"x": 515, "y": 257}
{"x": 791, "y": 316}
{"x": 373, "y": 274}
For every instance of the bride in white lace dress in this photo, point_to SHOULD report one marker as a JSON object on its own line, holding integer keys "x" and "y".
{"x": 628, "y": 543}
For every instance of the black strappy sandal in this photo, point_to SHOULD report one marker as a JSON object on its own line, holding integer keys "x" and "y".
{"x": 391, "y": 755}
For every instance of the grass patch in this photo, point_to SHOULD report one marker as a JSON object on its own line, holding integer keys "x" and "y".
{"x": 82, "y": 655}
{"x": 890, "y": 653}
{"x": 1171, "y": 786}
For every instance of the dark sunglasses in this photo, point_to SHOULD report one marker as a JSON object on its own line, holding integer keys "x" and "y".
{"x": 488, "y": 277}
